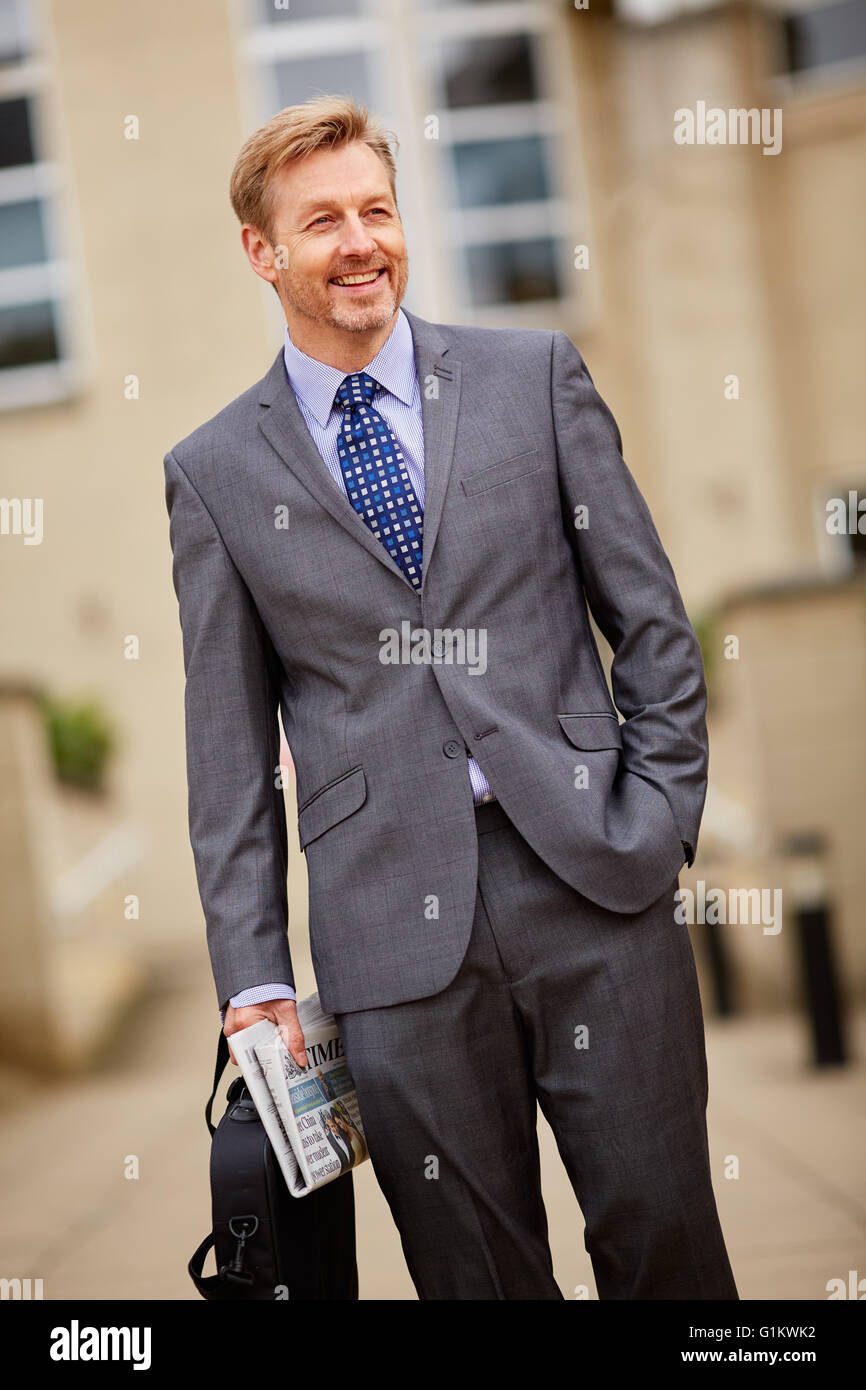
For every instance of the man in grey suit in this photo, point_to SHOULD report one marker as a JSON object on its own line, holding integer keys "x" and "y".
{"x": 395, "y": 538}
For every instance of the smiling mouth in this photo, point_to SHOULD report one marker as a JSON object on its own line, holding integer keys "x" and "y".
{"x": 366, "y": 277}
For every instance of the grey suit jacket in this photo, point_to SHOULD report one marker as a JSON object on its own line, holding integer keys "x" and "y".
{"x": 284, "y": 594}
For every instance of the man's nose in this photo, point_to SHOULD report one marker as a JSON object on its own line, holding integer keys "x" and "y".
{"x": 356, "y": 240}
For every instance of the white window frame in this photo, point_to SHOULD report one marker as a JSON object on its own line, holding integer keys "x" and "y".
{"x": 559, "y": 216}
{"x": 50, "y": 280}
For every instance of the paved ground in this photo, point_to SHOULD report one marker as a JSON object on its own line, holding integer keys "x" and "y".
{"x": 794, "y": 1218}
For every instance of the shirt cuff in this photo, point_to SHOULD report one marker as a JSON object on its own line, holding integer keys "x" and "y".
{"x": 258, "y": 994}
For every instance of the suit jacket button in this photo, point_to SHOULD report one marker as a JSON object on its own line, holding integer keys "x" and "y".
{"x": 451, "y": 748}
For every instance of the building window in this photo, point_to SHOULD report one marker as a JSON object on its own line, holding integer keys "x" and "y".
{"x": 512, "y": 272}
{"x": 817, "y": 45}
{"x": 310, "y": 47}
{"x": 822, "y": 36}
{"x": 35, "y": 357}
{"x": 276, "y": 11}
{"x": 488, "y": 172}
{"x": 15, "y": 37}
{"x": 296, "y": 79}
{"x": 488, "y": 71}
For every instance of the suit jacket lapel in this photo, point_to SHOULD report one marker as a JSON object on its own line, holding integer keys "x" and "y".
{"x": 286, "y": 431}
{"x": 439, "y": 382}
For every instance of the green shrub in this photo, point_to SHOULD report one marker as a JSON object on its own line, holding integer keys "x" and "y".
{"x": 81, "y": 739}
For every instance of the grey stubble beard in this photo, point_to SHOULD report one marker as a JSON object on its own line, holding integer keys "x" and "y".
{"x": 361, "y": 319}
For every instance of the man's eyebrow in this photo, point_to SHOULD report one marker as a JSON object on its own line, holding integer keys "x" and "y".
{"x": 318, "y": 203}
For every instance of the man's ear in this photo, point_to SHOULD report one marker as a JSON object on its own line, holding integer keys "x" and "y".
{"x": 260, "y": 253}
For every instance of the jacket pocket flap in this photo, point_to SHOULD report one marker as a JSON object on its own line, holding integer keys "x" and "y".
{"x": 503, "y": 471}
{"x": 591, "y": 730}
{"x": 325, "y": 808}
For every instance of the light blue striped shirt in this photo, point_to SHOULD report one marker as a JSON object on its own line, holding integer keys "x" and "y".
{"x": 399, "y": 403}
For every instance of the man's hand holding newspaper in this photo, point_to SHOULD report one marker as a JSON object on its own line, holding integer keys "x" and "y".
{"x": 304, "y": 1093}
{"x": 282, "y": 1012}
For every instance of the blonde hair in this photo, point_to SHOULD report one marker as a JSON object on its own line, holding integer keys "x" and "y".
{"x": 322, "y": 122}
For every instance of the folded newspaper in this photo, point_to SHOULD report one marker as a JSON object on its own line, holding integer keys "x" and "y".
{"x": 310, "y": 1114}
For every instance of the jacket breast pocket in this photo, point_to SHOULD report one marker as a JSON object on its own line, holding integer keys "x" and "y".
{"x": 503, "y": 471}
{"x": 591, "y": 731}
{"x": 331, "y": 804}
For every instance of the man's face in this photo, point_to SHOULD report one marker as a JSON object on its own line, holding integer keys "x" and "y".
{"x": 335, "y": 215}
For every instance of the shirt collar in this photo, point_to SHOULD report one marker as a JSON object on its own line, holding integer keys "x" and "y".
{"x": 315, "y": 383}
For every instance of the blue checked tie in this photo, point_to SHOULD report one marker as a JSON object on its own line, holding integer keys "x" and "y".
{"x": 376, "y": 478}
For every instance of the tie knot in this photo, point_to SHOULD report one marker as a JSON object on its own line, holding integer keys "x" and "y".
{"x": 357, "y": 389}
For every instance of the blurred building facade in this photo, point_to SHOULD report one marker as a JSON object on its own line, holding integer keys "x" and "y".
{"x": 715, "y": 291}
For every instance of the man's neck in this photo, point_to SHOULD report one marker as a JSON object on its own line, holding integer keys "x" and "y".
{"x": 338, "y": 347}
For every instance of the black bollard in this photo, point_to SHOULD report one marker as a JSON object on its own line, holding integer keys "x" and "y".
{"x": 720, "y": 970}
{"x": 813, "y": 918}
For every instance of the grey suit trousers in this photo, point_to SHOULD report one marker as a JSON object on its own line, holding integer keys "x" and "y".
{"x": 595, "y": 1015}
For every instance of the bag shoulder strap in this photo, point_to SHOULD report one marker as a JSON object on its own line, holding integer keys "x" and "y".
{"x": 222, "y": 1058}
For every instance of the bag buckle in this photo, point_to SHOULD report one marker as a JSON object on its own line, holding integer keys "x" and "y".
{"x": 234, "y": 1271}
